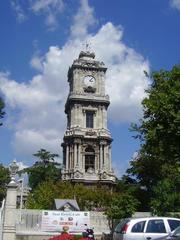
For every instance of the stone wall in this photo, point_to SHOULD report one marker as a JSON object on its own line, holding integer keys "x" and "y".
{"x": 29, "y": 227}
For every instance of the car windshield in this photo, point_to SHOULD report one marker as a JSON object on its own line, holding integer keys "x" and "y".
{"x": 177, "y": 232}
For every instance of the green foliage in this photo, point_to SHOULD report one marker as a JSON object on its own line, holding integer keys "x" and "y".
{"x": 166, "y": 197}
{"x": 45, "y": 156}
{"x": 121, "y": 206}
{"x": 42, "y": 197}
{"x": 91, "y": 198}
{"x": 44, "y": 169}
{"x": 39, "y": 173}
{"x": 2, "y": 113}
{"x": 4, "y": 180}
{"x": 130, "y": 186}
{"x": 159, "y": 132}
{"x": 88, "y": 198}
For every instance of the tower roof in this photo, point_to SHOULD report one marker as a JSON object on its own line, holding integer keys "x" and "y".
{"x": 87, "y": 55}
{"x": 86, "y": 59}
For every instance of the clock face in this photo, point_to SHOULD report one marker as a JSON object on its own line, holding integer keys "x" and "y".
{"x": 89, "y": 81}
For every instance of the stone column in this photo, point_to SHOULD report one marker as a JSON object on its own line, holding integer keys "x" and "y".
{"x": 103, "y": 84}
{"x": 70, "y": 157}
{"x": 74, "y": 111}
{"x": 78, "y": 116}
{"x": 67, "y": 157}
{"x": 110, "y": 158}
{"x": 10, "y": 214}
{"x": 96, "y": 162}
{"x": 102, "y": 118}
{"x": 72, "y": 117}
{"x": 83, "y": 162}
{"x": 101, "y": 156}
{"x": 84, "y": 118}
{"x": 75, "y": 155}
{"x": 75, "y": 115}
{"x": 98, "y": 118}
{"x": 79, "y": 156}
{"x": 105, "y": 118}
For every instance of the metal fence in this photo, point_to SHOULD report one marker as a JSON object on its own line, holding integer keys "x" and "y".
{"x": 28, "y": 221}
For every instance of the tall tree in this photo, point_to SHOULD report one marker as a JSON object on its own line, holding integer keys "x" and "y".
{"x": 159, "y": 132}
{"x": 44, "y": 169}
{"x": 2, "y": 113}
{"x": 45, "y": 156}
{"x": 4, "y": 180}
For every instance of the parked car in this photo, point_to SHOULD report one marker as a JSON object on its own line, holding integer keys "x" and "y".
{"x": 175, "y": 235}
{"x": 145, "y": 228}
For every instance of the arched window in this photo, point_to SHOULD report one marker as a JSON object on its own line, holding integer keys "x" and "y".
{"x": 89, "y": 158}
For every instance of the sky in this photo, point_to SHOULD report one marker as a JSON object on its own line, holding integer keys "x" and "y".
{"x": 39, "y": 40}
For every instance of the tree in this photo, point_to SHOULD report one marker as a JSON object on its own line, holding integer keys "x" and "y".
{"x": 121, "y": 206}
{"x": 166, "y": 197}
{"x": 4, "y": 180}
{"x": 158, "y": 132}
{"x": 131, "y": 186}
{"x": 44, "y": 169}
{"x": 44, "y": 194}
{"x": 42, "y": 197}
{"x": 2, "y": 113}
{"x": 45, "y": 156}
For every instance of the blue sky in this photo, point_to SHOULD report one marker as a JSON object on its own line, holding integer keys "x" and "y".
{"x": 40, "y": 39}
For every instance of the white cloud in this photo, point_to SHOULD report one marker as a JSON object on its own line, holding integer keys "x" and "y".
{"x": 41, "y": 122}
{"x": 36, "y": 63}
{"x": 125, "y": 81}
{"x": 46, "y": 5}
{"x": 175, "y": 4}
{"x": 82, "y": 20}
{"x": 20, "y": 15}
{"x": 49, "y": 8}
{"x": 21, "y": 165}
{"x": 51, "y": 21}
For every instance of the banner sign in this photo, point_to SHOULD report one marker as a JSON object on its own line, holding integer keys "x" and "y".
{"x": 55, "y": 221}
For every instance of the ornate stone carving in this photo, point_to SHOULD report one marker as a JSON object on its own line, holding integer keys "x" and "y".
{"x": 90, "y": 132}
{"x": 89, "y": 89}
{"x": 90, "y": 171}
{"x": 78, "y": 174}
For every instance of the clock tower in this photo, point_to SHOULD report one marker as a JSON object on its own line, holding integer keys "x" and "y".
{"x": 87, "y": 140}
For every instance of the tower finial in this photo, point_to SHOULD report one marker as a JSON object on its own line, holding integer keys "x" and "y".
{"x": 87, "y": 45}
{"x": 88, "y": 51}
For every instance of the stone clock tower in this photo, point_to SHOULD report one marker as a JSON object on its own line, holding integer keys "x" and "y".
{"x": 87, "y": 141}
